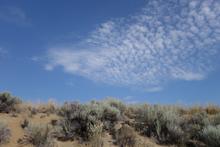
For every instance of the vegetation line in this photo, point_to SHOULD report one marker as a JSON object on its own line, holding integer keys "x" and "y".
{"x": 89, "y": 123}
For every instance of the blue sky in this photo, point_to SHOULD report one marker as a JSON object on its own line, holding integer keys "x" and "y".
{"x": 139, "y": 51}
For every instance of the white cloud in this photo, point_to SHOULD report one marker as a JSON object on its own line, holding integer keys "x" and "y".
{"x": 36, "y": 58}
{"x": 13, "y": 14}
{"x": 2, "y": 51}
{"x": 166, "y": 41}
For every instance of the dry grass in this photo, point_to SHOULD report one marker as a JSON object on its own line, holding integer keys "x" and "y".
{"x": 38, "y": 135}
{"x": 126, "y": 136}
{"x": 212, "y": 109}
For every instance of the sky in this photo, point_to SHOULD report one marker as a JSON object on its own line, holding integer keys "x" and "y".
{"x": 153, "y": 51}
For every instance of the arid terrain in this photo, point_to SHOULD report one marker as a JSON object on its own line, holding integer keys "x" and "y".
{"x": 106, "y": 123}
{"x": 14, "y": 124}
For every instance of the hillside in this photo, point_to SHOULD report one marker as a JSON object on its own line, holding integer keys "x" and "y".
{"x": 106, "y": 123}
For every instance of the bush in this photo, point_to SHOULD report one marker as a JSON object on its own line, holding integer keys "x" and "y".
{"x": 5, "y": 133}
{"x": 79, "y": 120}
{"x": 68, "y": 108}
{"x": 215, "y": 120}
{"x": 161, "y": 122}
{"x": 211, "y": 135}
{"x": 38, "y": 135}
{"x": 84, "y": 120}
{"x": 111, "y": 114}
{"x": 106, "y": 113}
{"x": 107, "y": 110}
{"x": 126, "y": 136}
{"x": 116, "y": 104}
{"x": 8, "y": 103}
{"x": 195, "y": 124}
{"x": 133, "y": 109}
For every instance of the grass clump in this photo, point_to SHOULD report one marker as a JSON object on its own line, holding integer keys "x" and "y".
{"x": 38, "y": 135}
{"x": 8, "y": 102}
{"x": 5, "y": 133}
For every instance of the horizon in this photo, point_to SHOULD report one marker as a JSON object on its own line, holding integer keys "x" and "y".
{"x": 157, "y": 52}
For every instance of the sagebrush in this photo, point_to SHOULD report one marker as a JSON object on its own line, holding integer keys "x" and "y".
{"x": 5, "y": 133}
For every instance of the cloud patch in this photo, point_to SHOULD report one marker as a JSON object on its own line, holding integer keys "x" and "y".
{"x": 13, "y": 14}
{"x": 2, "y": 52}
{"x": 166, "y": 41}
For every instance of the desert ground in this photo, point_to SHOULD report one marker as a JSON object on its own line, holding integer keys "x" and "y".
{"x": 14, "y": 124}
{"x": 106, "y": 123}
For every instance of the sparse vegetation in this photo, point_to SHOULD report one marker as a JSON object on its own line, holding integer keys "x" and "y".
{"x": 194, "y": 124}
{"x": 161, "y": 122}
{"x": 5, "y": 133}
{"x": 38, "y": 135}
{"x": 48, "y": 108}
{"x": 88, "y": 123}
{"x": 211, "y": 135}
{"x": 126, "y": 136}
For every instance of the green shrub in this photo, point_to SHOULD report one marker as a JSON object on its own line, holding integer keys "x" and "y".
{"x": 116, "y": 104}
{"x": 215, "y": 120}
{"x": 8, "y": 103}
{"x": 68, "y": 108}
{"x": 161, "y": 122}
{"x": 211, "y": 135}
{"x": 106, "y": 113}
{"x": 79, "y": 120}
{"x": 107, "y": 110}
{"x": 5, "y": 133}
{"x": 83, "y": 120}
{"x": 111, "y": 114}
{"x": 96, "y": 109}
{"x": 38, "y": 135}
{"x": 195, "y": 124}
{"x": 133, "y": 110}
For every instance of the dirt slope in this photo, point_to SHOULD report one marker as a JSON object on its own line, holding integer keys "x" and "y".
{"x": 14, "y": 123}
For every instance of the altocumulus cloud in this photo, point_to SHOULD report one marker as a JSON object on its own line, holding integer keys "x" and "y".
{"x": 167, "y": 40}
